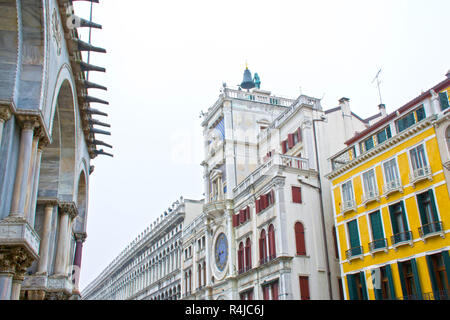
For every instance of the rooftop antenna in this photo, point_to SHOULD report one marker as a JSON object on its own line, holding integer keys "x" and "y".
{"x": 377, "y": 77}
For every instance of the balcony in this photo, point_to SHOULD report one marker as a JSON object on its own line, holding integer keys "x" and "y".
{"x": 431, "y": 229}
{"x": 370, "y": 196}
{"x": 402, "y": 238}
{"x": 392, "y": 187}
{"x": 348, "y": 206}
{"x": 378, "y": 245}
{"x": 420, "y": 174}
{"x": 354, "y": 253}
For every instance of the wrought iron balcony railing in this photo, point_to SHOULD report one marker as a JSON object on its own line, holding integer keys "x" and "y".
{"x": 430, "y": 229}
{"x": 377, "y": 245}
{"x": 353, "y": 253}
{"x": 402, "y": 237}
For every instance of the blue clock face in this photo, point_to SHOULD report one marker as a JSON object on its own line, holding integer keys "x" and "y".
{"x": 221, "y": 251}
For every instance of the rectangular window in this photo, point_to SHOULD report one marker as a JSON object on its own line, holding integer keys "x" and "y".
{"x": 409, "y": 279}
{"x": 410, "y": 119}
{"x": 439, "y": 275}
{"x": 418, "y": 158}
{"x": 391, "y": 171}
{"x": 383, "y": 135}
{"x": 304, "y": 288}
{"x": 399, "y": 223}
{"x": 247, "y": 295}
{"x": 443, "y": 99}
{"x": 296, "y": 194}
{"x": 353, "y": 234}
{"x": 347, "y": 192}
{"x": 370, "y": 185}
{"x": 377, "y": 231}
{"x": 270, "y": 291}
{"x": 357, "y": 286}
{"x": 368, "y": 144}
{"x": 428, "y": 213}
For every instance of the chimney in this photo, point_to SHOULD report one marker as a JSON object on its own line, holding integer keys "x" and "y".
{"x": 344, "y": 103}
{"x": 382, "y": 108}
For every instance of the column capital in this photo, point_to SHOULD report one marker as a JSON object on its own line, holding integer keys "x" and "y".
{"x": 69, "y": 208}
{"x": 80, "y": 236}
{"x": 5, "y": 113}
{"x": 15, "y": 260}
{"x": 28, "y": 121}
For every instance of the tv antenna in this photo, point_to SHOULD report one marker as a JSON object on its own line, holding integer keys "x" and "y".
{"x": 377, "y": 77}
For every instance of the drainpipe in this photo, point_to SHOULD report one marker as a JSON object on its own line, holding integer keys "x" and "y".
{"x": 330, "y": 291}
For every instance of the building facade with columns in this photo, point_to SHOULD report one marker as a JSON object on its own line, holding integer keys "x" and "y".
{"x": 149, "y": 268}
{"x": 268, "y": 211}
{"x": 47, "y": 142}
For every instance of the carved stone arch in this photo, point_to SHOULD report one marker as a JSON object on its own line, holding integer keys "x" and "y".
{"x": 81, "y": 199}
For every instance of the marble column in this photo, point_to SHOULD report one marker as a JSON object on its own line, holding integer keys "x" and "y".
{"x": 44, "y": 253}
{"x": 79, "y": 238}
{"x": 23, "y": 164}
{"x": 231, "y": 242}
{"x": 37, "y": 171}
{"x": 282, "y": 244}
{"x": 5, "y": 115}
{"x": 67, "y": 213}
{"x": 6, "y": 275}
{"x": 30, "y": 181}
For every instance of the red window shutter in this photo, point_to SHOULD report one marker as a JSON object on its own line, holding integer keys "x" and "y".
{"x": 272, "y": 194}
{"x": 266, "y": 293}
{"x": 235, "y": 220}
{"x": 247, "y": 213}
{"x": 304, "y": 288}
{"x": 248, "y": 254}
{"x": 272, "y": 250}
{"x": 300, "y": 239}
{"x": 290, "y": 140}
{"x": 241, "y": 216}
{"x": 274, "y": 290}
{"x": 265, "y": 201}
{"x": 241, "y": 257}
{"x": 258, "y": 209}
{"x": 299, "y": 134}
{"x": 283, "y": 147}
{"x": 296, "y": 195}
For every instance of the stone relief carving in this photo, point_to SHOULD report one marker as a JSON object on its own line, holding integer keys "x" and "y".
{"x": 56, "y": 31}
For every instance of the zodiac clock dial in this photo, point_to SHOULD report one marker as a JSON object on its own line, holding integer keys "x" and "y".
{"x": 221, "y": 251}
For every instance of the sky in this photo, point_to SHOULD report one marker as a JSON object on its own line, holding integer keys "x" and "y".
{"x": 166, "y": 62}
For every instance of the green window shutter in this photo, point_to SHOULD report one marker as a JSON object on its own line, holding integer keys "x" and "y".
{"x": 402, "y": 279}
{"x": 420, "y": 114}
{"x": 362, "y": 276}
{"x": 351, "y": 287}
{"x": 377, "y": 228}
{"x": 433, "y": 205}
{"x": 353, "y": 233}
{"x": 447, "y": 265}
{"x": 390, "y": 281}
{"x": 416, "y": 278}
{"x": 405, "y": 221}
{"x": 393, "y": 219}
{"x": 378, "y": 291}
{"x": 432, "y": 276}
{"x": 388, "y": 132}
{"x": 423, "y": 215}
{"x": 444, "y": 100}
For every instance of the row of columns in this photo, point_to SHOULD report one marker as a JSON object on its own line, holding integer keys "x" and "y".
{"x": 14, "y": 261}
{"x": 150, "y": 275}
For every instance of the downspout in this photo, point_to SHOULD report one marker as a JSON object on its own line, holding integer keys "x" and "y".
{"x": 330, "y": 291}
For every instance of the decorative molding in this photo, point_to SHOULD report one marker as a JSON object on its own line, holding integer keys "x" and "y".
{"x": 69, "y": 208}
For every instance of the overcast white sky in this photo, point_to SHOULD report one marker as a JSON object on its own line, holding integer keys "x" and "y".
{"x": 167, "y": 60}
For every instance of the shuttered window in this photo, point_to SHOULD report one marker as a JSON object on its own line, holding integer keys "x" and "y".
{"x": 248, "y": 254}
{"x": 376, "y": 224}
{"x": 354, "y": 237}
{"x": 427, "y": 208}
{"x": 272, "y": 248}
{"x": 300, "y": 239}
{"x": 304, "y": 288}
{"x": 296, "y": 194}
{"x": 443, "y": 99}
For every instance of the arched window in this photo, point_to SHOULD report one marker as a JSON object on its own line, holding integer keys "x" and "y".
{"x": 262, "y": 247}
{"x": 272, "y": 249}
{"x": 241, "y": 258}
{"x": 300, "y": 239}
{"x": 248, "y": 254}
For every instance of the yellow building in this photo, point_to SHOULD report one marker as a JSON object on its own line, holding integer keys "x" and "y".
{"x": 392, "y": 206}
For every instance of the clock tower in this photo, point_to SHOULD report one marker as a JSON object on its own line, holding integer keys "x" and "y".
{"x": 230, "y": 128}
